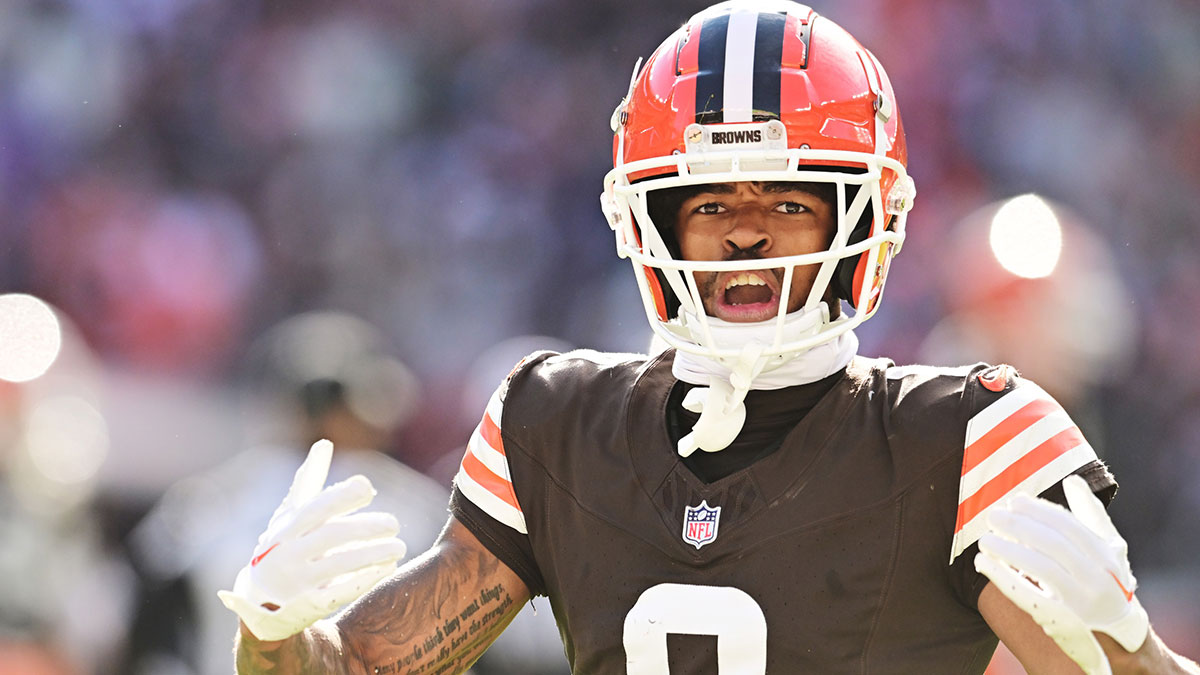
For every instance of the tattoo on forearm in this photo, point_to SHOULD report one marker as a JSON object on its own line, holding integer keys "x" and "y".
{"x": 458, "y": 638}
{"x": 434, "y": 620}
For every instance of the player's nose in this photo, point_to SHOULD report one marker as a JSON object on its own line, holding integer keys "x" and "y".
{"x": 747, "y": 231}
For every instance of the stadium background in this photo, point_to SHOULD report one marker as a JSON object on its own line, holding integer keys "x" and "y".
{"x": 178, "y": 176}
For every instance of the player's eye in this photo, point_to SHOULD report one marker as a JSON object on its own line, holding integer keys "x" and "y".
{"x": 710, "y": 209}
{"x": 791, "y": 207}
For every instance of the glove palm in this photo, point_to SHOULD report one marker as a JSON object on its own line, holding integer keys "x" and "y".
{"x": 316, "y": 554}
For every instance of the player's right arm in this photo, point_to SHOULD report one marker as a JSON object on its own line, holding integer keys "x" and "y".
{"x": 437, "y": 614}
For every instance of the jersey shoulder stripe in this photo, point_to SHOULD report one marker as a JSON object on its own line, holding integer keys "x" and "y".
{"x": 484, "y": 476}
{"x": 1022, "y": 442}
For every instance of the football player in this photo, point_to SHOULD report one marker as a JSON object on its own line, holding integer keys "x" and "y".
{"x": 755, "y": 497}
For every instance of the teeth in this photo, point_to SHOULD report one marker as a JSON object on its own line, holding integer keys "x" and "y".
{"x": 744, "y": 279}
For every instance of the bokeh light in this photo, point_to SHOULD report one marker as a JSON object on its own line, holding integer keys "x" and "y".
{"x": 30, "y": 337}
{"x": 68, "y": 440}
{"x": 1026, "y": 237}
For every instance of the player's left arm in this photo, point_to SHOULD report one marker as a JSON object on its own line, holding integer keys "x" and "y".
{"x": 1062, "y": 596}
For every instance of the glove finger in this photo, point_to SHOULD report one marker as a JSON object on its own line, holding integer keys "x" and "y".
{"x": 1064, "y": 525}
{"x": 1035, "y": 535}
{"x": 344, "y": 531}
{"x": 361, "y": 526}
{"x": 1016, "y": 587}
{"x": 263, "y": 623}
{"x": 1083, "y": 648}
{"x": 351, "y": 587}
{"x": 1055, "y": 619}
{"x": 338, "y": 499}
{"x": 1088, "y": 508}
{"x": 1053, "y": 578}
{"x": 311, "y": 475}
{"x": 1101, "y": 665}
{"x": 234, "y": 602}
{"x": 268, "y": 625}
{"x": 325, "y": 570}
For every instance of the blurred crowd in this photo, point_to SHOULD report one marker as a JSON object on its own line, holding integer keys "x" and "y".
{"x": 179, "y": 177}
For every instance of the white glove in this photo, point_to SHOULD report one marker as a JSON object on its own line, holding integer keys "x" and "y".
{"x": 316, "y": 554}
{"x": 1069, "y": 570}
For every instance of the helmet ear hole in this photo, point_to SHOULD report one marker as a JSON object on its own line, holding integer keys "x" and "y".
{"x": 844, "y": 277}
{"x": 666, "y": 304}
{"x": 850, "y": 274}
{"x": 848, "y": 269}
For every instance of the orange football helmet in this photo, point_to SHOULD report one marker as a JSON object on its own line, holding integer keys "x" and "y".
{"x": 760, "y": 90}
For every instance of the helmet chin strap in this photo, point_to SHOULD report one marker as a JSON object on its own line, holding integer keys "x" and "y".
{"x": 724, "y": 384}
{"x": 722, "y": 404}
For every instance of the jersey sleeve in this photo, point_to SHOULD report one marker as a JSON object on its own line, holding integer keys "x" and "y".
{"x": 1021, "y": 441}
{"x": 485, "y": 501}
{"x": 484, "y": 477}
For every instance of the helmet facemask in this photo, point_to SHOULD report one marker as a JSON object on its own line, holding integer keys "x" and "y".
{"x": 671, "y": 297}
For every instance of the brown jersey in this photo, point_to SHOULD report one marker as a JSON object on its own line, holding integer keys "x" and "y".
{"x": 838, "y": 552}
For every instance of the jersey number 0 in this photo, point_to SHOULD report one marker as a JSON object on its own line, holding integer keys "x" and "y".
{"x": 728, "y": 613}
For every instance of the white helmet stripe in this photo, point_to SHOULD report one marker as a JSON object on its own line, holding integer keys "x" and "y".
{"x": 739, "y": 66}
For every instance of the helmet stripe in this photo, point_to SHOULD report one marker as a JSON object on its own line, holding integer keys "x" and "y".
{"x": 739, "y": 58}
{"x": 710, "y": 84}
{"x": 768, "y": 55}
{"x": 739, "y": 66}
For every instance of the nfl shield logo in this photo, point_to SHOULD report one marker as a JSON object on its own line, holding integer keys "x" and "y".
{"x": 700, "y": 523}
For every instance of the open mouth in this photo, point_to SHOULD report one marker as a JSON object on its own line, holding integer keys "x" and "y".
{"x": 746, "y": 296}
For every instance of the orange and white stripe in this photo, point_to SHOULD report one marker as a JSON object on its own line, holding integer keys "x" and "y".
{"x": 483, "y": 476}
{"x": 1023, "y": 442}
